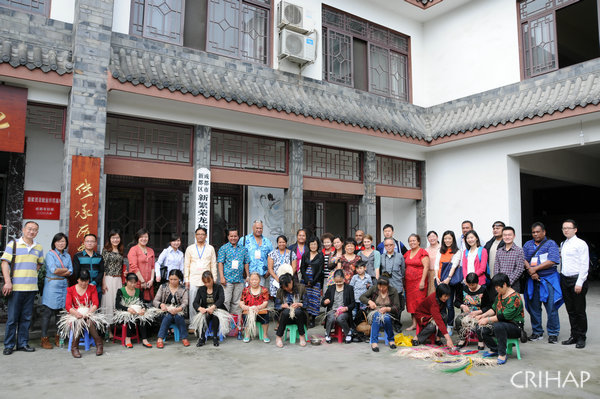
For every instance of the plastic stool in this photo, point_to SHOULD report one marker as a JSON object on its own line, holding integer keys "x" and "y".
{"x": 259, "y": 328}
{"x": 175, "y": 332}
{"x": 510, "y": 342}
{"x": 382, "y": 337}
{"x": 124, "y": 334}
{"x": 338, "y": 333}
{"x": 233, "y": 332}
{"x": 86, "y": 340}
{"x": 292, "y": 329}
{"x": 209, "y": 333}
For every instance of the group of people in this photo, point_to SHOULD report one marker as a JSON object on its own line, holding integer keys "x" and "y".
{"x": 362, "y": 286}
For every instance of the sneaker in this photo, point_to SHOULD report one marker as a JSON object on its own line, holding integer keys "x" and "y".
{"x": 535, "y": 337}
{"x": 328, "y": 339}
{"x": 246, "y": 339}
{"x": 266, "y": 340}
{"x": 552, "y": 339}
{"x": 348, "y": 339}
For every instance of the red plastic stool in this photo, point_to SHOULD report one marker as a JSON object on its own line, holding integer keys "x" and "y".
{"x": 338, "y": 333}
{"x": 236, "y": 326}
{"x": 124, "y": 334}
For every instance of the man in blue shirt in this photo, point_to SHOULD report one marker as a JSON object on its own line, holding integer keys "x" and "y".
{"x": 388, "y": 232}
{"x": 541, "y": 257}
{"x": 233, "y": 260}
{"x": 258, "y": 249}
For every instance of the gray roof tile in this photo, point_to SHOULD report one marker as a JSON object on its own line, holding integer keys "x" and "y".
{"x": 18, "y": 53}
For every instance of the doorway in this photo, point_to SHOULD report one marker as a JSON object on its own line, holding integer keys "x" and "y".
{"x": 226, "y": 212}
{"x": 330, "y": 212}
{"x": 159, "y": 205}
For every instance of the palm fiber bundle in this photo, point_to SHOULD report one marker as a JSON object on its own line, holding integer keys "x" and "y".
{"x": 68, "y": 322}
{"x": 124, "y": 317}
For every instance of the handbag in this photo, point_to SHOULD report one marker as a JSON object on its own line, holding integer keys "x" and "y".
{"x": 456, "y": 278}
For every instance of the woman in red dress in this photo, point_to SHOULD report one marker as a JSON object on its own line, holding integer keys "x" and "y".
{"x": 415, "y": 281}
{"x": 141, "y": 262}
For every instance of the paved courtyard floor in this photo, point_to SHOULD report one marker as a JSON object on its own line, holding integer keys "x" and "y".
{"x": 255, "y": 369}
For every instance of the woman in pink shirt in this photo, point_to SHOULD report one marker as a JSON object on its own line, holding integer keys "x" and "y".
{"x": 141, "y": 262}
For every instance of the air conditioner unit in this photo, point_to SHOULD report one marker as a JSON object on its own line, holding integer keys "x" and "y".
{"x": 296, "y": 47}
{"x": 290, "y": 16}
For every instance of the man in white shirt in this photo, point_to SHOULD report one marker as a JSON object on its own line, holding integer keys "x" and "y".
{"x": 199, "y": 257}
{"x": 575, "y": 262}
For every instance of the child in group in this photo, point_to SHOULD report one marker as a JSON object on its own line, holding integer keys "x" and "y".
{"x": 360, "y": 282}
{"x": 473, "y": 301}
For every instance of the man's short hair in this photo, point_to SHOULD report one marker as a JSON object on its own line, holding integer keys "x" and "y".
{"x": 508, "y": 228}
{"x": 538, "y": 224}
{"x": 467, "y": 221}
{"x": 501, "y": 223}
{"x": 388, "y": 226}
{"x": 572, "y": 222}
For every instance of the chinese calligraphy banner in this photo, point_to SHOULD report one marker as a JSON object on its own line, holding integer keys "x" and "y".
{"x": 13, "y": 111}
{"x": 43, "y": 205}
{"x": 202, "y": 183}
{"x": 85, "y": 190}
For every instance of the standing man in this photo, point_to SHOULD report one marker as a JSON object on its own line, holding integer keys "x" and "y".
{"x": 493, "y": 244}
{"x": 258, "y": 248}
{"x": 510, "y": 259}
{"x": 392, "y": 264}
{"x": 358, "y": 237}
{"x": 465, "y": 227}
{"x": 233, "y": 260}
{"x": 199, "y": 257}
{"x": 90, "y": 260}
{"x": 543, "y": 286}
{"x": 388, "y": 232}
{"x": 20, "y": 264}
{"x": 575, "y": 263}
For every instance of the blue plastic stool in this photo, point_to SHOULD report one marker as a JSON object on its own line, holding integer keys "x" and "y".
{"x": 209, "y": 333}
{"x": 175, "y": 332}
{"x": 86, "y": 341}
{"x": 382, "y": 337}
{"x": 292, "y": 330}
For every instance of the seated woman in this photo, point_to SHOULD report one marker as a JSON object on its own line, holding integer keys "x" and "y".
{"x": 504, "y": 320}
{"x": 209, "y": 298}
{"x": 255, "y": 299}
{"x": 292, "y": 297}
{"x": 472, "y": 301}
{"x": 128, "y": 300}
{"x": 172, "y": 298}
{"x": 81, "y": 304}
{"x": 339, "y": 298}
{"x": 382, "y": 299}
{"x": 431, "y": 315}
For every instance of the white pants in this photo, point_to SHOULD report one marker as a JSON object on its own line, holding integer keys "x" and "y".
{"x": 192, "y": 296}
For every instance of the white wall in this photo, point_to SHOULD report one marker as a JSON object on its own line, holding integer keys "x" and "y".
{"x": 478, "y": 179}
{"x": 400, "y": 213}
{"x": 121, "y": 13}
{"x": 43, "y": 172}
{"x": 469, "y": 50}
{"x": 63, "y": 10}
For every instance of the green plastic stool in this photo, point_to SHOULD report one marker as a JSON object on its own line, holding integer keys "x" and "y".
{"x": 292, "y": 329}
{"x": 510, "y": 342}
{"x": 260, "y": 330}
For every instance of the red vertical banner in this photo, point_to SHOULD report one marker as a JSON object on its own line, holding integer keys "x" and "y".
{"x": 13, "y": 112}
{"x": 85, "y": 192}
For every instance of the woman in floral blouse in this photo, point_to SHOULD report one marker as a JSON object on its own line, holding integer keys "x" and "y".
{"x": 277, "y": 257}
{"x": 113, "y": 271}
{"x": 257, "y": 296}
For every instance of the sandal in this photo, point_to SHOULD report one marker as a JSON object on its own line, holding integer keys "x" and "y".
{"x": 160, "y": 344}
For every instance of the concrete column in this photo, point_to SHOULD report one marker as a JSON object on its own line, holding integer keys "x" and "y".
{"x": 86, "y": 113}
{"x": 422, "y": 208}
{"x": 294, "y": 195}
{"x": 15, "y": 186}
{"x": 368, "y": 204}
{"x": 202, "y": 137}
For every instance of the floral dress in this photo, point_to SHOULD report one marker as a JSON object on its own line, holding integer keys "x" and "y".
{"x": 279, "y": 259}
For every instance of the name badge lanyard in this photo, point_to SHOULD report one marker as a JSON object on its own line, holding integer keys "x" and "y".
{"x": 200, "y": 254}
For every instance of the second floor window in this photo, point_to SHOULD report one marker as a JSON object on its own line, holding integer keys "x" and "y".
{"x": 234, "y": 28}
{"x": 363, "y": 55}
{"x": 33, "y": 6}
{"x": 557, "y": 33}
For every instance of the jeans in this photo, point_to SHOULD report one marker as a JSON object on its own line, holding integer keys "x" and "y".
{"x": 502, "y": 330}
{"x": 387, "y": 327}
{"x": 534, "y": 307}
{"x": 47, "y": 313}
{"x": 169, "y": 319}
{"x": 575, "y": 304}
{"x": 454, "y": 290}
{"x": 20, "y": 311}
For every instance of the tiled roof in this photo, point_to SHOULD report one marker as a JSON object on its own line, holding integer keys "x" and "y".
{"x": 18, "y": 53}
{"x": 197, "y": 73}
{"x": 567, "y": 88}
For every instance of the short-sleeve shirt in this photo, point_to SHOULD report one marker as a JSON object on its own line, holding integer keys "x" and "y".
{"x": 25, "y": 275}
{"x": 258, "y": 254}
{"x": 548, "y": 250}
{"x": 255, "y": 300}
{"x": 227, "y": 254}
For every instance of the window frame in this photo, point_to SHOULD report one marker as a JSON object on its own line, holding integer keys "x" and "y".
{"x": 133, "y": 31}
{"x": 367, "y": 36}
{"x": 46, "y": 13}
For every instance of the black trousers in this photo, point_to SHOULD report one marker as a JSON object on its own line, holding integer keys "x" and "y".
{"x": 284, "y": 319}
{"x": 501, "y": 330}
{"x": 141, "y": 329}
{"x": 214, "y": 324}
{"x": 431, "y": 328}
{"x": 47, "y": 313}
{"x": 575, "y": 304}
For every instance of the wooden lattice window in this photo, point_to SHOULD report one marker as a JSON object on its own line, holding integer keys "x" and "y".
{"x": 332, "y": 163}
{"x": 241, "y": 151}
{"x": 158, "y": 19}
{"x": 557, "y": 33}
{"x": 239, "y": 29}
{"x": 33, "y": 6}
{"x": 363, "y": 55}
{"x": 397, "y": 172}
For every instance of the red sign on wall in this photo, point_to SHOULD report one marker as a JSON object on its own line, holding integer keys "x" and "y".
{"x": 13, "y": 111}
{"x": 41, "y": 205}
{"x": 85, "y": 190}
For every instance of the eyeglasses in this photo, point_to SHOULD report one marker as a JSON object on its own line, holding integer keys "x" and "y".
{"x": 568, "y": 228}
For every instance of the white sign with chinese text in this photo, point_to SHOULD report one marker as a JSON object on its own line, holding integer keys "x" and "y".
{"x": 202, "y": 188}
